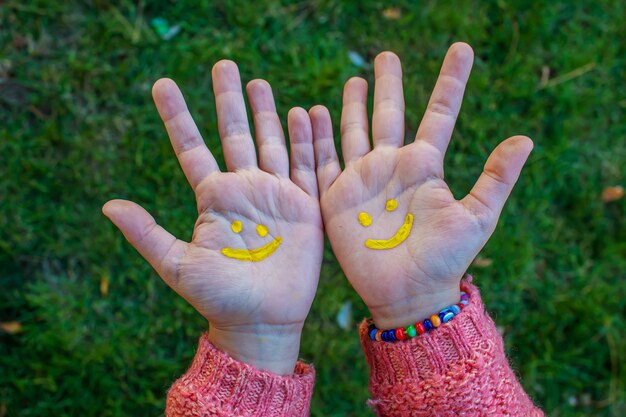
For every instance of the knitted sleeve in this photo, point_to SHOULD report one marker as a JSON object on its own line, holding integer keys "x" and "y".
{"x": 216, "y": 385}
{"x": 459, "y": 369}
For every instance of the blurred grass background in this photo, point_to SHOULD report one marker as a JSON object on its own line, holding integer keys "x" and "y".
{"x": 88, "y": 329}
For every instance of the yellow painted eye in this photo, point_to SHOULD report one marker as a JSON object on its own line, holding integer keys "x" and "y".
{"x": 236, "y": 226}
{"x": 391, "y": 205}
{"x": 365, "y": 219}
{"x": 261, "y": 230}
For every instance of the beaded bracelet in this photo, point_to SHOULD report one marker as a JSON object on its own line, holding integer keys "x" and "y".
{"x": 421, "y": 327}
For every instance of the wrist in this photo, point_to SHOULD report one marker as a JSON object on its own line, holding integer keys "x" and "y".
{"x": 413, "y": 308}
{"x": 272, "y": 348}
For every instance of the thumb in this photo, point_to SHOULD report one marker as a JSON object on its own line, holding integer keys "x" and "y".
{"x": 503, "y": 167}
{"x": 159, "y": 247}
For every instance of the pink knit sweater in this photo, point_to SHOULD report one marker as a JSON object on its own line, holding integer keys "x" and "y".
{"x": 459, "y": 369}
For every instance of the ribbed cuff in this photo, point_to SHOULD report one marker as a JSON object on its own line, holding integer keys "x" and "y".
{"x": 218, "y": 385}
{"x": 461, "y": 338}
{"x": 459, "y": 368}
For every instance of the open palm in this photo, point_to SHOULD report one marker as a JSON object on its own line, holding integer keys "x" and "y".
{"x": 401, "y": 237}
{"x": 252, "y": 265}
{"x": 269, "y": 274}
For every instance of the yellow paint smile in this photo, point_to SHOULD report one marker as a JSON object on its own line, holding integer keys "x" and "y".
{"x": 253, "y": 255}
{"x": 403, "y": 232}
{"x": 400, "y": 236}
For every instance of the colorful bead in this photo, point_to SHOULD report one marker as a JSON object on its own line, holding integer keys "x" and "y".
{"x": 446, "y": 315}
{"x": 400, "y": 335}
{"x": 419, "y": 328}
{"x": 385, "y": 336}
{"x": 373, "y": 333}
{"x": 388, "y": 334}
{"x": 428, "y": 325}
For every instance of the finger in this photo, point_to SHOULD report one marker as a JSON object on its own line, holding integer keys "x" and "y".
{"x": 494, "y": 185}
{"x": 445, "y": 102}
{"x": 269, "y": 134}
{"x": 355, "y": 141}
{"x": 388, "y": 117}
{"x": 232, "y": 120}
{"x": 326, "y": 161}
{"x": 162, "y": 250}
{"x": 302, "y": 154}
{"x": 193, "y": 155}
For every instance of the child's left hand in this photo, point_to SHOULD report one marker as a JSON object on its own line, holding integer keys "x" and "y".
{"x": 252, "y": 266}
{"x": 401, "y": 237}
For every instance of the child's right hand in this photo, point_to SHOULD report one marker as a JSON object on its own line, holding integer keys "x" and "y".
{"x": 402, "y": 238}
{"x": 252, "y": 266}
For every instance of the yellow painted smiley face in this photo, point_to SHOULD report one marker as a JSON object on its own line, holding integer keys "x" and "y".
{"x": 400, "y": 236}
{"x": 252, "y": 255}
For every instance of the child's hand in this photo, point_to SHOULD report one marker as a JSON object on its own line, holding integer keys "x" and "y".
{"x": 252, "y": 266}
{"x": 401, "y": 237}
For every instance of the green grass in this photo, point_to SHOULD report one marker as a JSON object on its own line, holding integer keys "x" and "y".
{"x": 77, "y": 127}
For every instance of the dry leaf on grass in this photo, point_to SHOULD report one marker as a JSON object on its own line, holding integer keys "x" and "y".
{"x": 104, "y": 286}
{"x": 392, "y": 13}
{"x": 482, "y": 262}
{"x": 11, "y": 327}
{"x": 612, "y": 193}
